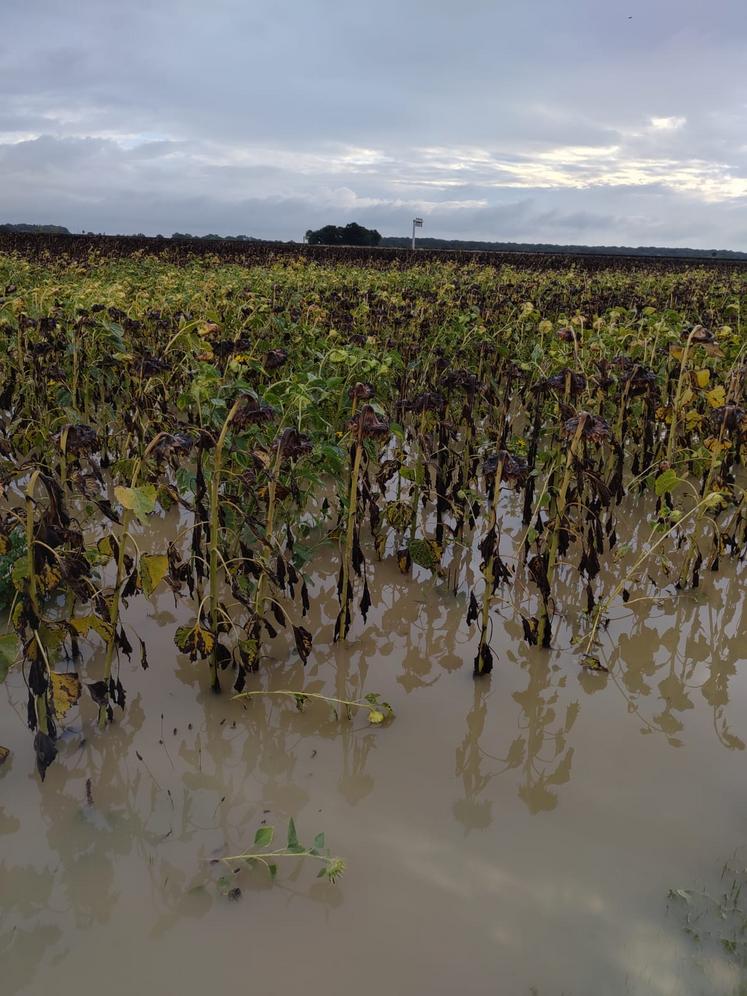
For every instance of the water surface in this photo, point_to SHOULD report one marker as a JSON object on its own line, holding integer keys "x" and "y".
{"x": 518, "y": 834}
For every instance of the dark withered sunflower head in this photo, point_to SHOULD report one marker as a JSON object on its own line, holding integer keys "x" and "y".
{"x": 205, "y": 440}
{"x": 248, "y": 478}
{"x": 697, "y": 333}
{"x": 428, "y": 401}
{"x": 603, "y": 380}
{"x": 275, "y": 358}
{"x": 85, "y": 484}
{"x": 731, "y": 417}
{"x": 361, "y": 392}
{"x": 80, "y": 439}
{"x": 366, "y": 424}
{"x": 623, "y": 361}
{"x": 514, "y": 371}
{"x": 593, "y": 428}
{"x": 576, "y": 382}
{"x": 41, "y": 348}
{"x": 442, "y": 361}
{"x": 568, "y": 335}
{"x": 252, "y": 411}
{"x": 74, "y": 565}
{"x": 292, "y": 444}
{"x": 462, "y": 380}
{"x": 147, "y": 365}
{"x": 222, "y": 347}
{"x": 639, "y": 379}
{"x": 172, "y": 445}
{"x": 226, "y": 347}
{"x": 515, "y": 469}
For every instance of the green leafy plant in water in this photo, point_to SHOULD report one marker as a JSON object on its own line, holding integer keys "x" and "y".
{"x": 716, "y": 920}
{"x": 378, "y": 710}
{"x": 262, "y": 853}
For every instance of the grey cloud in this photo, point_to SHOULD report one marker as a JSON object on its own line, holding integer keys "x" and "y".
{"x": 531, "y": 121}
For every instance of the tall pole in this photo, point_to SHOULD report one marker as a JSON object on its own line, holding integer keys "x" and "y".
{"x": 416, "y": 223}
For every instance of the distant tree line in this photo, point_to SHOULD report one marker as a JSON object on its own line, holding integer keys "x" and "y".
{"x": 186, "y": 237}
{"x": 460, "y": 245}
{"x": 344, "y": 235}
{"x": 45, "y": 229}
{"x": 356, "y": 235}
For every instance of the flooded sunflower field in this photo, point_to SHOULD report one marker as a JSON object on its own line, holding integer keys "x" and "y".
{"x": 371, "y": 627}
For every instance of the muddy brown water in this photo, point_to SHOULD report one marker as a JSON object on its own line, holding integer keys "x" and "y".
{"x": 519, "y": 834}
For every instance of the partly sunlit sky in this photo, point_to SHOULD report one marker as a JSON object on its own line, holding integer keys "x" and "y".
{"x": 566, "y": 121}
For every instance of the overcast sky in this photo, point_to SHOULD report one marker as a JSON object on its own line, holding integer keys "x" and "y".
{"x": 570, "y": 121}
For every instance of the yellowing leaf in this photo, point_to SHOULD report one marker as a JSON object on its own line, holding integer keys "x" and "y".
{"x": 398, "y": 514}
{"x": 66, "y": 689}
{"x": 104, "y": 546}
{"x": 375, "y": 716}
{"x": 702, "y": 377}
{"x": 262, "y": 456}
{"x": 249, "y": 653}
{"x": 380, "y": 544}
{"x": 153, "y": 569}
{"x": 140, "y": 500}
{"x": 665, "y": 482}
{"x": 713, "y": 349}
{"x": 715, "y": 446}
{"x": 19, "y": 572}
{"x": 8, "y": 653}
{"x": 197, "y": 641}
{"x": 53, "y": 636}
{"x": 664, "y": 414}
{"x": 717, "y": 397}
{"x": 166, "y": 497}
{"x": 49, "y": 577}
{"x": 83, "y": 624}
{"x": 403, "y": 560}
{"x": 714, "y": 499}
{"x": 425, "y": 553}
{"x": 17, "y": 616}
{"x": 686, "y": 397}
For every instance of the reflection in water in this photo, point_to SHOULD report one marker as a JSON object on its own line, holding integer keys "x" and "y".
{"x": 474, "y": 812}
{"x": 186, "y": 776}
{"x": 690, "y": 643}
{"x": 546, "y": 758}
{"x": 539, "y": 753}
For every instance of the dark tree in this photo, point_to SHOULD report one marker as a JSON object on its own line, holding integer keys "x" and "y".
{"x": 348, "y": 235}
{"x": 42, "y": 229}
